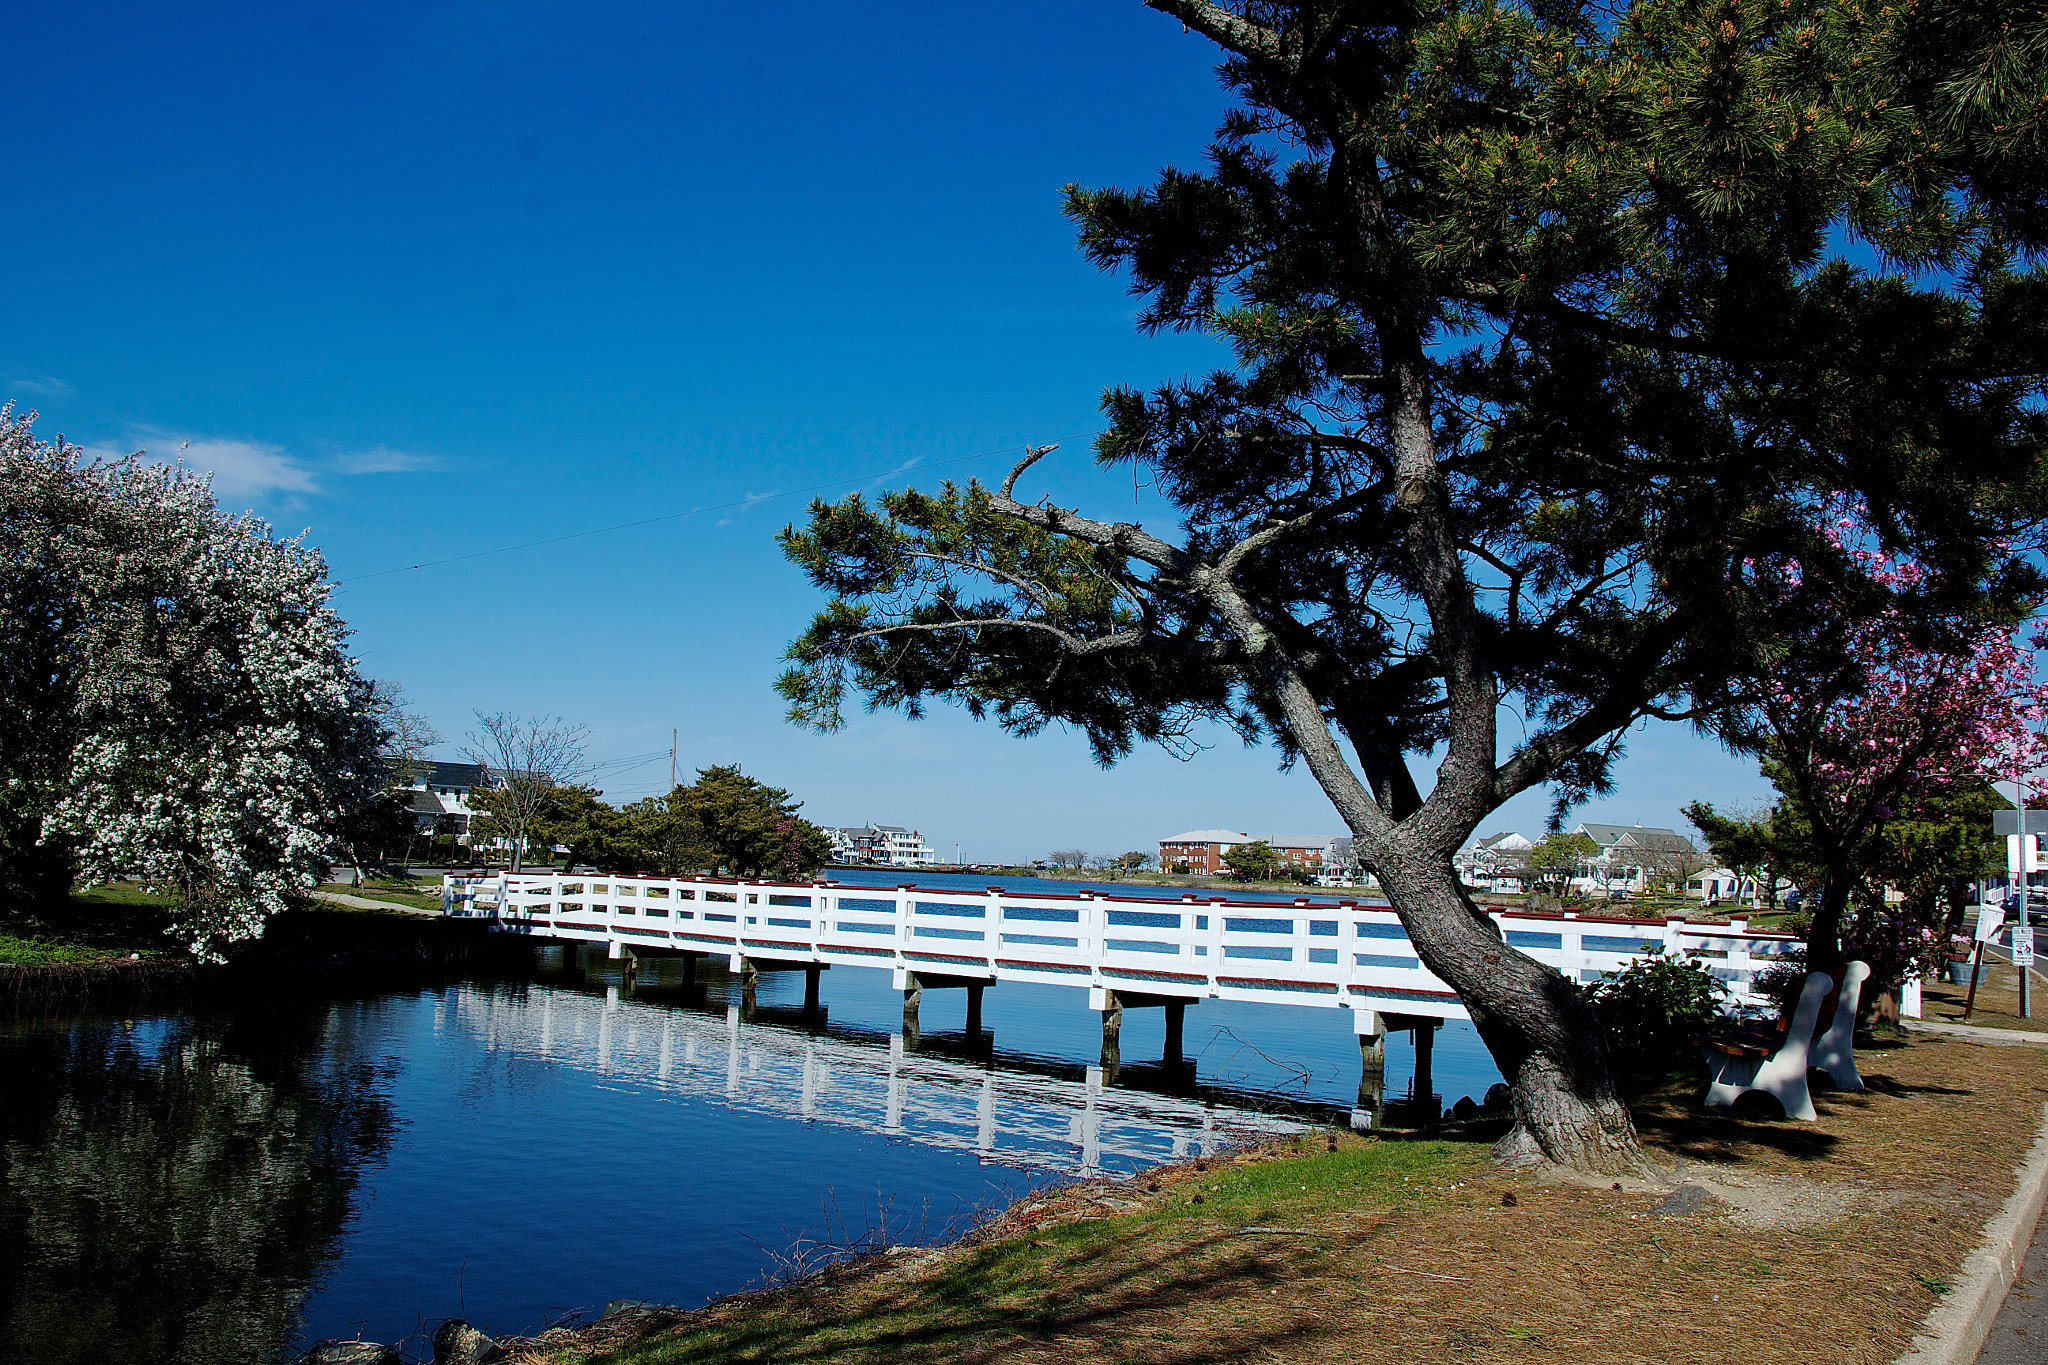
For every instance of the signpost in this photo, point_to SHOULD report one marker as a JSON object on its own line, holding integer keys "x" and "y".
{"x": 2021, "y": 827}
{"x": 1990, "y": 919}
{"x": 2023, "y": 958}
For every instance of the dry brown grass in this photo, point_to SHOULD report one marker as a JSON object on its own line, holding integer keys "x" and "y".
{"x": 1998, "y": 1001}
{"x": 1821, "y": 1242}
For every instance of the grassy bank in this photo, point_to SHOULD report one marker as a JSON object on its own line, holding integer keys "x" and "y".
{"x": 1135, "y": 1266}
{"x": 1782, "y": 1241}
{"x": 107, "y": 946}
{"x": 110, "y": 923}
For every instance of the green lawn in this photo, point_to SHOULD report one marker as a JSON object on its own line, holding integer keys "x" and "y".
{"x": 398, "y": 893}
{"x": 102, "y": 924}
{"x": 1190, "y": 1222}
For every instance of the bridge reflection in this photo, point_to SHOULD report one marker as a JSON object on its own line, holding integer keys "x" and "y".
{"x": 958, "y": 1094}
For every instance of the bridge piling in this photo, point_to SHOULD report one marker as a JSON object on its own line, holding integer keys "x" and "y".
{"x": 1425, "y": 1047}
{"x": 811, "y": 975}
{"x": 913, "y": 997}
{"x": 974, "y": 1010}
{"x": 1112, "y": 1020}
{"x": 1372, "y": 1041}
{"x": 1176, "y": 1014}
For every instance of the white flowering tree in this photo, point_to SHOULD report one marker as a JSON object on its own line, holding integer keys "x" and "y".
{"x": 177, "y": 701}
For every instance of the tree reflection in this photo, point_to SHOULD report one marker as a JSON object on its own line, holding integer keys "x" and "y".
{"x": 170, "y": 1190}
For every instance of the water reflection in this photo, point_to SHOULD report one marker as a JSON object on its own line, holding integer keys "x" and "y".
{"x": 212, "y": 1186}
{"x": 170, "y": 1190}
{"x": 1006, "y": 1109}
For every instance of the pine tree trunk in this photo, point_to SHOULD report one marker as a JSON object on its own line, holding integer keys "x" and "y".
{"x": 1542, "y": 1032}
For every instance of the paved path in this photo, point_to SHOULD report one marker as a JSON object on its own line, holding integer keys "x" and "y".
{"x": 1975, "y": 1033}
{"x": 2020, "y": 1335}
{"x": 361, "y": 903}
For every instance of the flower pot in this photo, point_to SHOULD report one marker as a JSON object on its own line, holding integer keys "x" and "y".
{"x": 1959, "y": 973}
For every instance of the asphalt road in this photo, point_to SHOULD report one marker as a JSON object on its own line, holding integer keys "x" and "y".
{"x": 2020, "y": 1336}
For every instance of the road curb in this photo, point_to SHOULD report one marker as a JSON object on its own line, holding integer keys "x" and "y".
{"x": 1955, "y": 1331}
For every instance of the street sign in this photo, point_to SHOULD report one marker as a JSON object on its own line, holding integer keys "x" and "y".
{"x": 2008, "y": 822}
{"x": 1990, "y": 919}
{"x": 2023, "y": 945}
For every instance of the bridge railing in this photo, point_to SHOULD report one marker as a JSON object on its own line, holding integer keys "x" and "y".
{"x": 1350, "y": 953}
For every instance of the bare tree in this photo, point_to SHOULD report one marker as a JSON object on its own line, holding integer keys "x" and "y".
{"x": 1073, "y": 859}
{"x": 1669, "y": 860}
{"x": 407, "y": 735}
{"x": 524, "y": 759}
{"x": 404, "y": 737}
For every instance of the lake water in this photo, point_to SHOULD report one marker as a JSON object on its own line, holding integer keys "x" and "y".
{"x": 216, "y": 1185}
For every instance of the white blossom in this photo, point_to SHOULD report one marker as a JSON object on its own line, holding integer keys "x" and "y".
{"x": 191, "y": 714}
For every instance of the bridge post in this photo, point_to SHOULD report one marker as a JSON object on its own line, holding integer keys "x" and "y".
{"x": 690, "y": 969}
{"x": 632, "y": 959}
{"x": 1372, "y": 1041}
{"x": 1176, "y": 1012}
{"x": 913, "y": 996}
{"x": 1425, "y": 1046}
{"x": 1112, "y": 1031}
{"x": 811, "y": 975}
{"x": 973, "y": 1010}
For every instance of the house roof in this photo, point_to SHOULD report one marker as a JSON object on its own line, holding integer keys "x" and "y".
{"x": 1634, "y": 836}
{"x": 433, "y": 773}
{"x": 1496, "y": 840}
{"x": 1238, "y": 836}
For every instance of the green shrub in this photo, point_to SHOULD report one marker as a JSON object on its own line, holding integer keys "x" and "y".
{"x": 1655, "y": 1009}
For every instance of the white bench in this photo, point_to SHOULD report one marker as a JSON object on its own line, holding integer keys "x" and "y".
{"x": 1745, "y": 1060}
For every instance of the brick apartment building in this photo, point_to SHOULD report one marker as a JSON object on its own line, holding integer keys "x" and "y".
{"x": 1202, "y": 850}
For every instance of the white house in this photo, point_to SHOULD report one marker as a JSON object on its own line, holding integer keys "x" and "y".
{"x": 1633, "y": 857}
{"x": 1496, "y": 862}
{"x": 886, "y": 845}
{"x": 439, "y": 795}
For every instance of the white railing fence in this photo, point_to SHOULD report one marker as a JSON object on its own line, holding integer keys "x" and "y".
{"x": 1351, "y": 954}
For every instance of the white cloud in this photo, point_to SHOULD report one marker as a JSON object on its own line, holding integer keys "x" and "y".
{"x": 34, "y": 386}
{"x": 253, "y": 468}
{"x": 258, "y": 469}
{"x": 384, "y": 460}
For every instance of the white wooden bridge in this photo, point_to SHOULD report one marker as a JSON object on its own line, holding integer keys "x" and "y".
{"x": 1001, "y": 1115}
{"x": 1126, "y": 950}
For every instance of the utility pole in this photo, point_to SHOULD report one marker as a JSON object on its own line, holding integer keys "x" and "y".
{"x": 672, "y": 758}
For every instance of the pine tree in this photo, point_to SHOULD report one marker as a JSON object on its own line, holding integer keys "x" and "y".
{"x": 1544, "y": 322}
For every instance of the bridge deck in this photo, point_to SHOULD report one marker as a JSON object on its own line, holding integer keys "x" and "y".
{"x": 1351, "y": 955}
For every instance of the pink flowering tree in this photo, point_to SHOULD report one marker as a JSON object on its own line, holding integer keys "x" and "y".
{"x": 1888, "y": 700}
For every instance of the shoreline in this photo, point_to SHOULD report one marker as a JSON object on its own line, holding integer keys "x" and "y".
{"x": 1766, "y": 1238}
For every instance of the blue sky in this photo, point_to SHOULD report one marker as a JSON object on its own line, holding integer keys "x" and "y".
{"x": 431, "y": 279}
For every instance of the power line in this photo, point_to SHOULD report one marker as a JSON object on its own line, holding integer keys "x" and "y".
{"x": 670, "y": 516}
